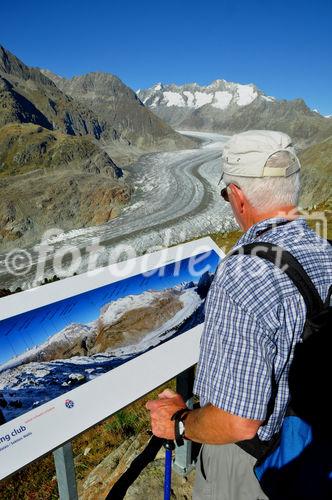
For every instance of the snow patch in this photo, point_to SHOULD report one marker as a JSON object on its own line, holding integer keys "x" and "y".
{"x": 154, "y": 103}
{"x": 268, "y": 98}
{"x": 222, "y": 99}
{"x": 246, "y": 94}
{"x": 174, "y": 99}
{"x": 202, "y": 98}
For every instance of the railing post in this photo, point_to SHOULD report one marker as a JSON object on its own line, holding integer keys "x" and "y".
{"x": 183, "y": 462}
{"x": 65, "y": 472}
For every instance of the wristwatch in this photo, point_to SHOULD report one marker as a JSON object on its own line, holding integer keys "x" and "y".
{"x": 179, "y": 418}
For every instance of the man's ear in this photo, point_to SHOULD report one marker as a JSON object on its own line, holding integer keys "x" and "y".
{"x": 238, "y": 197}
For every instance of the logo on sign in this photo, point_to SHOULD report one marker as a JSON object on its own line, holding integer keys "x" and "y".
{"x": 69, "y": 403}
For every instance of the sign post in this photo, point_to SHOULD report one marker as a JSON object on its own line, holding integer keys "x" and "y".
{"x": 65, "y": 472}
{"x": 184, "y": 462}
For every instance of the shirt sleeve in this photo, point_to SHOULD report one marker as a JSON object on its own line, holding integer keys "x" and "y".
{"x": 236, "y": 358}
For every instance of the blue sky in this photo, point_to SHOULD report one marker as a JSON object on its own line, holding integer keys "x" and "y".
{"x": 283, "y": 46}
{"x": 22, "y": 332}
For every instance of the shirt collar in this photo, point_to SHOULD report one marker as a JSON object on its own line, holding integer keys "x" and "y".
{"x": 255, "y": 230}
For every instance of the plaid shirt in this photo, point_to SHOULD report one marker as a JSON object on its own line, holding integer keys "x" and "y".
{"x": 254, "y": 317}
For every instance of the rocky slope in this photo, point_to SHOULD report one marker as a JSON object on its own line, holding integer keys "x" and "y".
{"x": 49, "y": 179}
{"x": 28, "y": 147}
{"x": 126, "y": 122}
{"x": 229, "y": 107}
{"x": 28, "y": 96}
{"x": 98, "y": 104}
{"x": 53, "y": 172}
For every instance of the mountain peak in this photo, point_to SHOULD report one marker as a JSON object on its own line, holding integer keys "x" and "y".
{"x": 219, "y": 94}
{"x": 13, "y": 66}
{"x": 10, "y": 64}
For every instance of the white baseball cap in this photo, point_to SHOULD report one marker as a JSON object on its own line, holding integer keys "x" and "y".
{"x": 246, "y": 154}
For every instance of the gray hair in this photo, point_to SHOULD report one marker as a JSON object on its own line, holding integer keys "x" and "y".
{"x": 270, "y": 192}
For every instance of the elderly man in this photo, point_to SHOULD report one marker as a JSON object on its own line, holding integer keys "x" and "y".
{"x": 254, "y": 318}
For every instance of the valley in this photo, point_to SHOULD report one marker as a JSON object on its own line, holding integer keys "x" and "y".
{"x": 175, "y": 198}
{"x": 101, "y": 165}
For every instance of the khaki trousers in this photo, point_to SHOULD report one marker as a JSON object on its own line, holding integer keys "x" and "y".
{"x": 225, "y": 472}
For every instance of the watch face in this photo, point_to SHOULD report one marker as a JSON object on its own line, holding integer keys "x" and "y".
{"x": 181, "y": 428}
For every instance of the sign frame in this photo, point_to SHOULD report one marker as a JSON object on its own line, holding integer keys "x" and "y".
{"x": 112, "y": 390}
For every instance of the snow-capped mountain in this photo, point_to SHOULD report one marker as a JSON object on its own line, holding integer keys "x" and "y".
{"x": 219, "y": 94}
{"x": 229, "y": 107}
{"x": 62, "y": 342}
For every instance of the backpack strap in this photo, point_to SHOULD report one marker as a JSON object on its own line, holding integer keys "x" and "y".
{"x": 287, "y": 263}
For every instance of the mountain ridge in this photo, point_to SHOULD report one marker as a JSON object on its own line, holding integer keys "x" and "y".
{"x": 113, "y": 113}
{"x": 123, "y": 116}
{"x": 229, "y": 107}
{"x": 24, "y": 87}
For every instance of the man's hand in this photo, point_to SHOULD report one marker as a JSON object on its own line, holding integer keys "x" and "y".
{"x": 209, "y": 424}
{"x": 162, "y": 409}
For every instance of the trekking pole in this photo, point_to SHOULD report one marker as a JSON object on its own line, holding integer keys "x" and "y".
{"x": 169, "y": 447}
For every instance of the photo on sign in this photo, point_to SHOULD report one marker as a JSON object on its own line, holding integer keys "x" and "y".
{"x": 48, "y": 351}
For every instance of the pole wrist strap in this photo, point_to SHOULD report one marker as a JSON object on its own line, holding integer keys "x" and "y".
{"x": 178, "y": 417}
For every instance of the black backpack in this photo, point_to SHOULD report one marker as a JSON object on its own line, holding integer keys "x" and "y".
{"x": 297, "y": 462}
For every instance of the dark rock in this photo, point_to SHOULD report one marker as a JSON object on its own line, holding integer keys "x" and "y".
{"x": 16, "y": 404}
{"x": 3, "y": 402}
{"x": 204, "y": 284}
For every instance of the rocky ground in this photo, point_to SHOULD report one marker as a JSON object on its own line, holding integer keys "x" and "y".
{"x": 33, "y": 203}
{"x": 148, "y": 485}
